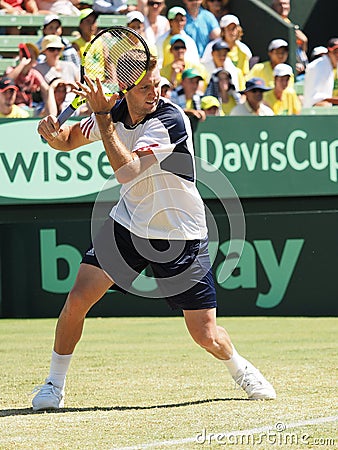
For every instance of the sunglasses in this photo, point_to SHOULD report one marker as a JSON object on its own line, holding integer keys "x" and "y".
{"x": 53, "y": 49}
{"x": 213, "y": 1}
{"x": 155, "y": 3}
{"x": 179, "y": 47}
{"x": 255, "y": 90}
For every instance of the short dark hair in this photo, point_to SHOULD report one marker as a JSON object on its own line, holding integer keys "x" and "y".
{"x": 128, "y": 59}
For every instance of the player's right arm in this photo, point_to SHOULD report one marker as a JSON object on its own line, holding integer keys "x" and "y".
{"x": 65, "y": 138}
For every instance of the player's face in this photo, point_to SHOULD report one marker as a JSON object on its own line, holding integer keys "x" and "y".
{"x": 143, "y": 98}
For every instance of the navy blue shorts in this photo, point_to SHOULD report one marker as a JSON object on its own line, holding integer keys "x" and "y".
{"x": 182, "y": 269}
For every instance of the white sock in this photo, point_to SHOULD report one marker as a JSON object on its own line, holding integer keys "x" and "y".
{"x": 235, "y": 363}
{"x": 58, "y": 369}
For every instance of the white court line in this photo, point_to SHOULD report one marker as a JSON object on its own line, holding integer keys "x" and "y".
{"x": 302, "y": 423}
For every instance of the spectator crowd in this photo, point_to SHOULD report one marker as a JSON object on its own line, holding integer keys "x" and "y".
{"x": 205, "y": 65}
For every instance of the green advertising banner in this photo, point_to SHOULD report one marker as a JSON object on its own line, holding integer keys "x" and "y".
{"x": 260, "y": 156}
{"x": 271, "y": 156}
{"x": 285, "y": 269}
{"x": 33, "y": 172}
{"x": 284, "y": 170}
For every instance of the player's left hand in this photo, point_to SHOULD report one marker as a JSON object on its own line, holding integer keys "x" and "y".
{"x": 97, "y": 99}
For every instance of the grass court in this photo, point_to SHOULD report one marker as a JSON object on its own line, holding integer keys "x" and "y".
{"x": 143, "y": 383}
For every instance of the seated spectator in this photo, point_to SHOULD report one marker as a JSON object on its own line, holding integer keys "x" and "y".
{"x": 211, "y": 106}
{"x": 155, "y": 24}
{"x": 64, "y": 7}
{"x": 112, "y": 6}
{"x": 53, "y": 68}
{"x": 317, "y": 52}
{"x": 278, "y": 51}
{"x": 221, "y": 87}
{"x": 283, "y": 8}
{"x": 220, "y": 59}
{"x": 253, "y": 106}
{"x": 19, "y": 7}
{"x": 177, "y": 20}
{"x": 201, "y": 26}
{"x": 282, "y": 99}
{"x": 29, "y": 82}
{"x": 218, "y": 8}
{"x": 187, "y": 97}
{"x": 321, "y": 79}
{"x": 58, "y": 91}
{"x": 166, "y": 88}
{"x": 173, "y": 71}
{"x": 8, "y": 108}
{"x": 231, "y": 32}
{"x": 135, "y": 20}
{"x": 52, "y": 25}
{"x": 87, "y": 30}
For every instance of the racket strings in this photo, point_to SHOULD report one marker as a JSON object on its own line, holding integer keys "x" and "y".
{"x": 118, "y": 59}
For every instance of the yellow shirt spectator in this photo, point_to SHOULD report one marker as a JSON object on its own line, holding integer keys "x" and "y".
{"x": 239, "y": 59}
{"x": 264, "y": 70}
{"x": 16, "y": 113}
{"x": 282, "y": 99}
{"x": 8, "y": 108}
{"x": 173, "y": 71}
{"x": 278, "y": 51}
{"x": 287, "y": 105}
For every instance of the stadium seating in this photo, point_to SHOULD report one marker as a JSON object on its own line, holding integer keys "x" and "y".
{"x": 68, "y": 22}
{"x": 31, "y": 30}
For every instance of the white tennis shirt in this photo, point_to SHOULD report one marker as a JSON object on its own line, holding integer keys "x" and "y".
{"x": 163, "y": 202}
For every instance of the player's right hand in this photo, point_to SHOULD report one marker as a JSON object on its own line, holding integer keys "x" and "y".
{"x": 49, "y": 127}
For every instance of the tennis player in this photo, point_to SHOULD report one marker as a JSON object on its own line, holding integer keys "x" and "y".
{"x": 159, "y": 221}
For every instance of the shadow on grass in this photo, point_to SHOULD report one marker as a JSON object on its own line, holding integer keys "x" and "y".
{"x": 26, "y": 411}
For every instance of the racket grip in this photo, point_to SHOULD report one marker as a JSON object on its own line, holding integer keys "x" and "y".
{"x": 69, "y": 111}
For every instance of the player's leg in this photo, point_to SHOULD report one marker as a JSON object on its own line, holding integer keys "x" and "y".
{"x": 201, "y": 324}
{"x": 204, "y": 330}
{"x": 90, "y": 285}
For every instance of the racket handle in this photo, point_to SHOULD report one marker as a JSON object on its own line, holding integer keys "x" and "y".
{"x": 65, "y": 114}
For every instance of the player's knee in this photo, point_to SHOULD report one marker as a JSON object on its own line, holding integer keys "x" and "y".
{"x": 207, "y": 342}
{"x": 78, "y": 301}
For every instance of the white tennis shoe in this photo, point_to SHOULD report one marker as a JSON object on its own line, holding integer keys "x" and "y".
{"x": 48, "y": 397}
{"x": 254, "y": 384}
